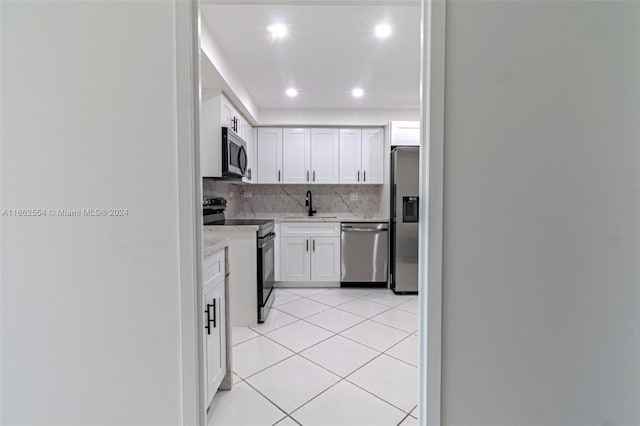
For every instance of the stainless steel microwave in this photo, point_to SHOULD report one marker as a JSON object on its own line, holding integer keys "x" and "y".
{"x": 234, "y": 155}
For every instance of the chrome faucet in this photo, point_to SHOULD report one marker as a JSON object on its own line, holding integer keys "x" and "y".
{"x": 308, "y": 202}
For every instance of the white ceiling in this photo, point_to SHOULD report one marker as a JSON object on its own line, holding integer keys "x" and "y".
{"x": 329, "y": 50}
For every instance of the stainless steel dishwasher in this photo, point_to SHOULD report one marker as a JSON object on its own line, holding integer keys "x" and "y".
{"x": 364, "y": 257}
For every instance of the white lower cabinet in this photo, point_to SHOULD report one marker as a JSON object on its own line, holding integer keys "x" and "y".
{"x": 325, "y": 259}
{"x": 295, "y": 263}
{"x": 310, "y": 252}
{"x": 214, "y": 332}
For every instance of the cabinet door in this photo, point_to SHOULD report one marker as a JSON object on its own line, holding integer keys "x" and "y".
{"x": 240, "y": 125}
{"x": 231, "y": 118}
{"x": 215, "y": 340}
{"x": 350, "y": 155}
{"x": 296, "y": 155}
{"x": 373, "y": 156}
{"x": 295, "y": 259}
{"x": 227, "y": 112}
{"x": 405, "y": 133}
{"x": 324, "y": 155}
{"x": 325, "y": 259}
{"x": 269, "y": 155}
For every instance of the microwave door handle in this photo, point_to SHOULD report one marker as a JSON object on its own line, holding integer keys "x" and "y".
{"x": 242, "y": 160}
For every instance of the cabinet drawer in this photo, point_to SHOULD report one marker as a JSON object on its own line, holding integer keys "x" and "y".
{"x": 297, "y": 229}
{"x": 213, "y": 268}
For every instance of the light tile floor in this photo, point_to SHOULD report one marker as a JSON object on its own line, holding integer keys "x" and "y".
{"x": 326, "y": 357}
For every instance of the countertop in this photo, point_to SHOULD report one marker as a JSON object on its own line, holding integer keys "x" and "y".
{"x": 320, "y": 218}
{"x": 232, "y": 227}
{"x": 211, "y": 245}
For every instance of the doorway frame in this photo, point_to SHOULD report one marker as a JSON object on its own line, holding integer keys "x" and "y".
{"x": 187, "y": 56}
{"x": 432, "y": 86}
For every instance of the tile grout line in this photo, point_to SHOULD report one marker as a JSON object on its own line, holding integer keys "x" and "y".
{"x": 333, "y": 334}
{"x": 265, "y": 397}
{"x": 396, "y": 344}
{"x": 403, "y": 419}
{"x": 323, "y": 340}
{"x": 345, "y": 378}
{"x": 415, "y": 417}
{"x": 325, "y": 390}
{"x": 305, "y": 319}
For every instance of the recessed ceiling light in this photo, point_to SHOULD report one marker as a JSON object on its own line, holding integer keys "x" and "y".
{"x": 277, "y": 30}
{"x": 291, "y": 92}
{"x": 357, "y": 92}
{"x": 383, "y": 30}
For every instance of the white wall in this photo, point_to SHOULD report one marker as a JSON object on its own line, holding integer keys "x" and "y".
{"x": 541, "y": 302}
{"x": 90, "y": 306}
{"x": 218, "y": 73}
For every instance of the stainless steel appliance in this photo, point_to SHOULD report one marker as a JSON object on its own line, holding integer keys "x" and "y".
{"x": 405, "y": 204}
{"x": 234, "y": 155}
{"x": 213, "y": 214}
{"x": 364, "y": 253}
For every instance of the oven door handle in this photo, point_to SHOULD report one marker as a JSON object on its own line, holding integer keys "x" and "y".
{"x": 266, "y": 239}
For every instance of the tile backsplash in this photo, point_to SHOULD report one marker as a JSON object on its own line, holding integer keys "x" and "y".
{"x": 245, "y": 200}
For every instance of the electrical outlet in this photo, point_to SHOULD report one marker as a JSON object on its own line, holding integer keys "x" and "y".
{"x": 247, "y": 194}
{"x": 353, "y": 196}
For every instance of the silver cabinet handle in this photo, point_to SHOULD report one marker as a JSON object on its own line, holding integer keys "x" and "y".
{"x": 314, "y": 245}
{"x": 307, "y": 175}
{"x": 307, "y": 245}
{"x": 314, "y": 175}
{"x": 365, "y": 176}
{"x": 358, "y": 175}
{"x": 278, "y": 175}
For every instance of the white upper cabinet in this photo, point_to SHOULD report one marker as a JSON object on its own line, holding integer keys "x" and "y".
{"x": 231, "y": 118}
{"x": 350, "y": 155}
{"x": 362, "y": 156}
{"x": 319, "y": 155}
{"x": 269, "y": 151}
{"x": 296, "y": 155}
{"x": 228, "y": 112}
{"x": 324, "y": 155}
{"x": 217, "y": 112}
{"x": 406, "y": 133}
{"x": 373, "y": 156}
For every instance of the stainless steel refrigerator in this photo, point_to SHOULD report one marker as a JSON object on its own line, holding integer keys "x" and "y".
{"x": 405, "y": 204}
